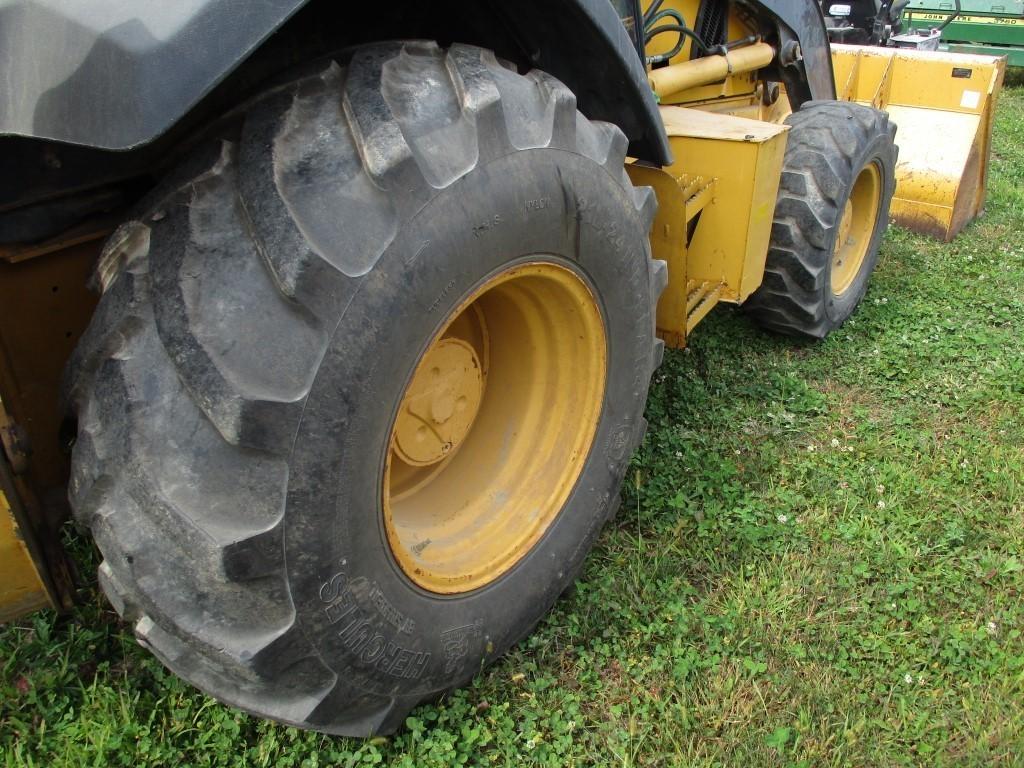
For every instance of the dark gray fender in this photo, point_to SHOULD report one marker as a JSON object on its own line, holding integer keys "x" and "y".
{"x": 116, "y": 75}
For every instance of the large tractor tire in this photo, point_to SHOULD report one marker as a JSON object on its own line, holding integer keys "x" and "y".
{"x": 838, "y": 178}
{"x": 364, "y": 382}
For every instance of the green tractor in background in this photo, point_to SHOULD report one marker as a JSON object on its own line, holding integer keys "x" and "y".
{"x": 988, "y": 27}
{"x": 991, "y": 27}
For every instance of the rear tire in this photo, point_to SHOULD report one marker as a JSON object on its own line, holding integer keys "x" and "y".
{"x": 261, "y": 319}
{"x": 834, "y": 150}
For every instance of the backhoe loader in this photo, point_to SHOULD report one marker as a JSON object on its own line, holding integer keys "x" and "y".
{"x": 334, "y": 330}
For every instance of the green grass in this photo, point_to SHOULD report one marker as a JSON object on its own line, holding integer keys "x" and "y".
{"x": 818, "y": 562}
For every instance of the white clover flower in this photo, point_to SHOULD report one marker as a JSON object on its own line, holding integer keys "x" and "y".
{"x": 880, "y": 489}
{"x": 532, "y": 743}
{"x": 782, "y": 519}
{"x": 679, "y": 454}
{"x": 908, "y": 678}
{"x": 835, "y": 442}
{"x": 881, "y": 504}
{"x": 992, "y": 628}
{"x": 811, "y": 448}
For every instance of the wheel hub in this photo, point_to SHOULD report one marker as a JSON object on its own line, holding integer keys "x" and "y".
{"x": 440, "y": 404}
{"x": 494, "y": 428}
{"x": 856, "y": 226}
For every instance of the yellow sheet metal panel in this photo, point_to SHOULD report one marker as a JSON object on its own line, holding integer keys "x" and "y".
{"x": 744, "y": 157}
{"x": 45, "y": 308}
{"x": 668, "y": 243}
{"x": 939, "y": 179}
{"x": 716, "y": 205}
{"x": 955, "y": 82}
{"x": 21, "y": 588}
{"x": 942, "y": 104}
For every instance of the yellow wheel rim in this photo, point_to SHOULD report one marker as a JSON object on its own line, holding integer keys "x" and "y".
{"x": 494, "y": 428}
{"x": 856, "y": 228}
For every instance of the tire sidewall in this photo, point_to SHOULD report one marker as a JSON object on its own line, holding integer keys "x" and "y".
{"x": 366, "y": 619}
{"x": 879, "y": 151}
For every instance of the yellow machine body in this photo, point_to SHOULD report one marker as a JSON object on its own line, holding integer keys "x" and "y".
{"x": 715, "y": 214}
{"x": 943, "y": 106}
{"x": 21, "y": 586}
{"x": 717, "y": 199}
{"x": 46, "y": 306}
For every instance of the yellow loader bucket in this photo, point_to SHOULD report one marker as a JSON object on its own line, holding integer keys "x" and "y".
{"x": 943, "y": 106}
